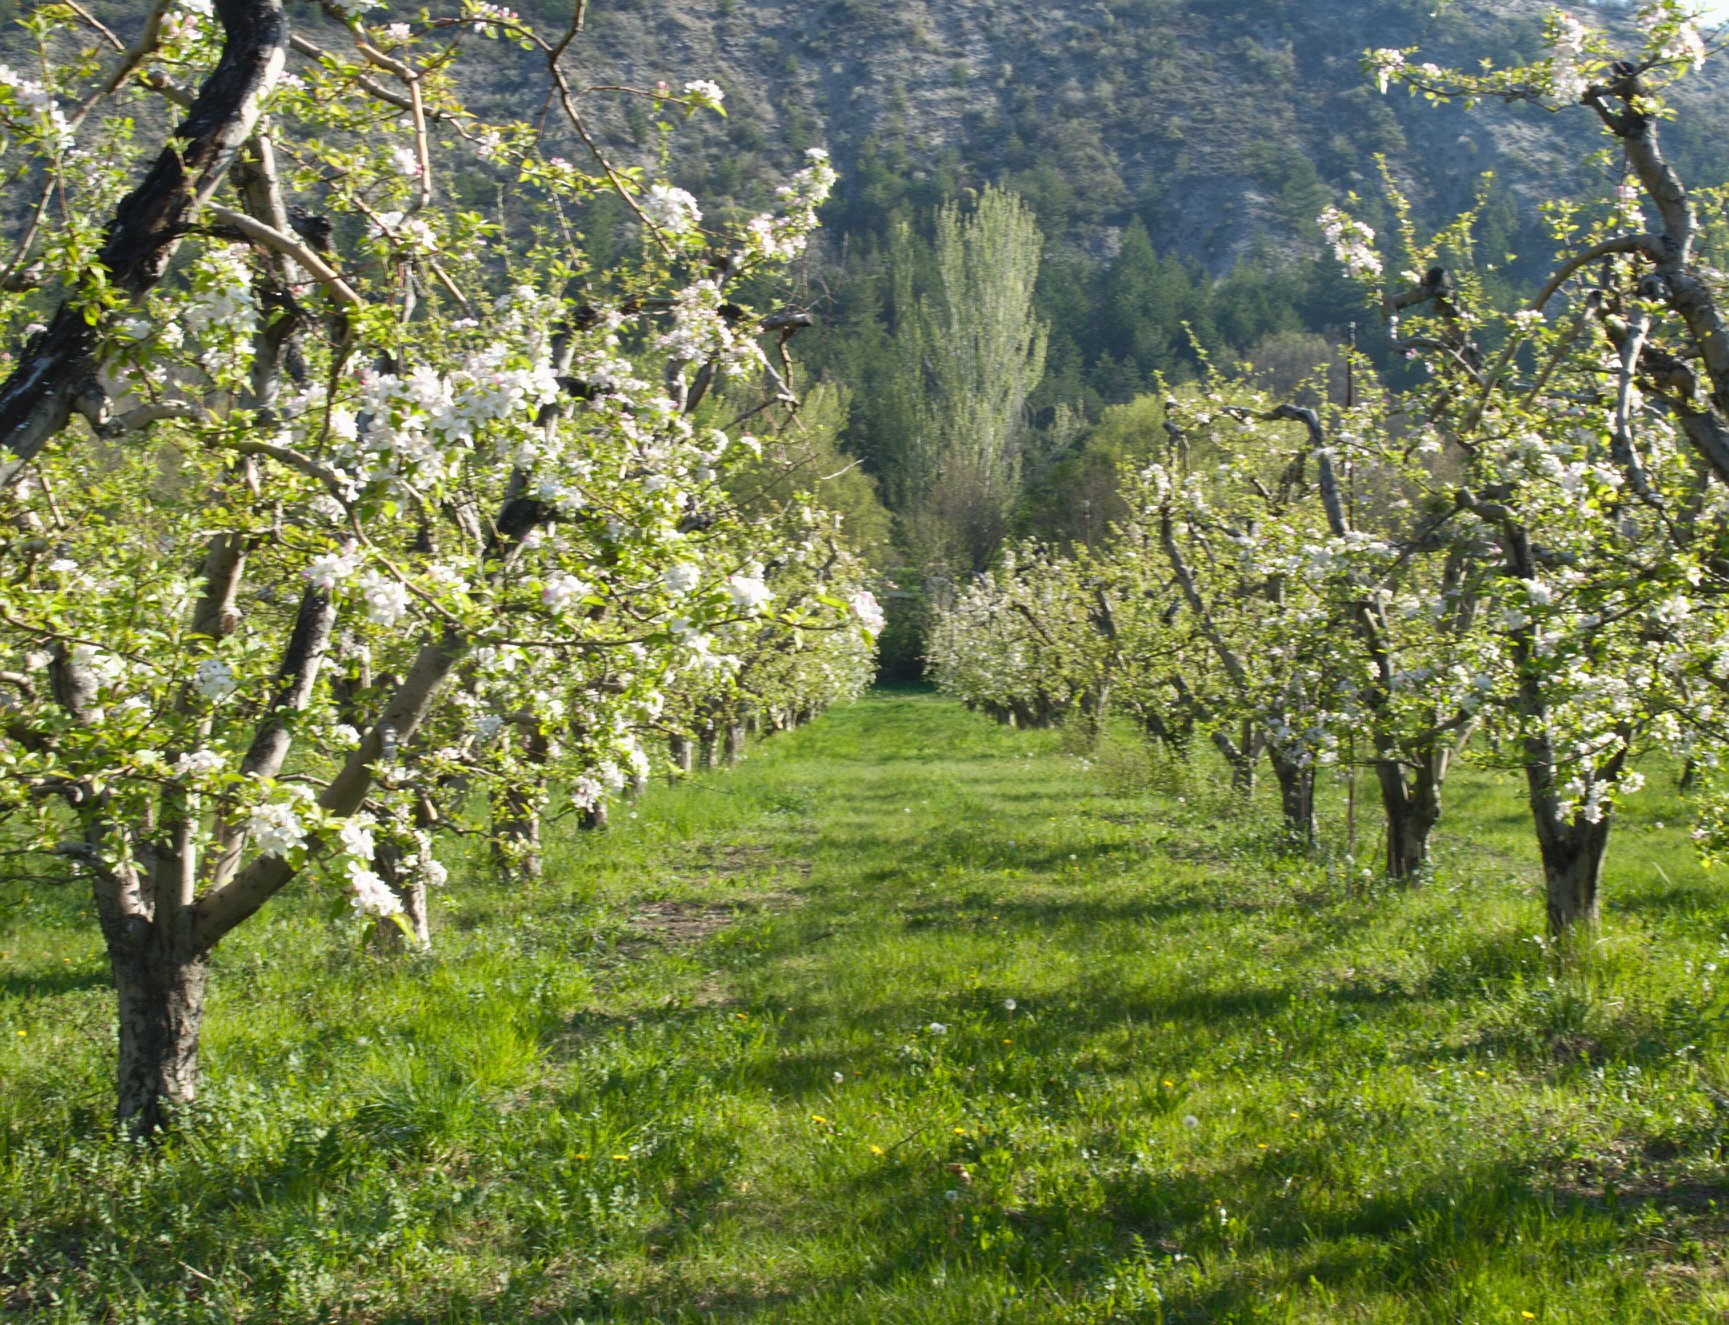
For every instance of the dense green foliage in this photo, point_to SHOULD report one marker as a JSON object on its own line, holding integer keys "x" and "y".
{"x": 1233, "y": 1087}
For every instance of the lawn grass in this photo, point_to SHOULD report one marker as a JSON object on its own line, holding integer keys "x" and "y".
{"x": 697, "y": 1073}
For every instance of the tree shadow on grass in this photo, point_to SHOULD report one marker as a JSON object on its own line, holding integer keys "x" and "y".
{"x": 51, "y": 983}
{"x": 1207, "y": 1269}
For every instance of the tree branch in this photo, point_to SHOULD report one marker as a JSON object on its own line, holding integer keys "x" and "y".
{"x": 38, "y": 399}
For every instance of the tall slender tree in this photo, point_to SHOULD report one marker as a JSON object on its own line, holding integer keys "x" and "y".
{"x": 967, "y": 352}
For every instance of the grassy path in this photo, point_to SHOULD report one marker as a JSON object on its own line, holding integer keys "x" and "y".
{"x": 910, "y": 1019}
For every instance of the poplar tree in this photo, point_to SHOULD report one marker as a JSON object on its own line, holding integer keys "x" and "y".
{"x": 966, "y": 353}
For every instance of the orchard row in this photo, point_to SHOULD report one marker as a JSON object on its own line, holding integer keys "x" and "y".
{"x": 340, "y": 518}
{"x": 1523, "y": 555}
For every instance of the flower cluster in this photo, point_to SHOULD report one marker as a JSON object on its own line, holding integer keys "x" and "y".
{"x": 671, "y": 210}
{"x": 43, "y": 117}
{"x": 1672, "y": 36}
{"x": 1353, "y": 244}
{"x": 1569, "y": 67}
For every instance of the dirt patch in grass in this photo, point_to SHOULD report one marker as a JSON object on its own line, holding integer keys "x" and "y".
{"x": 682, "y": 922}
{"x": 675, "y": 922}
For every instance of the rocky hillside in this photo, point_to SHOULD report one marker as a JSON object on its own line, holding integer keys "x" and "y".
{"x": 1223, "y": 123}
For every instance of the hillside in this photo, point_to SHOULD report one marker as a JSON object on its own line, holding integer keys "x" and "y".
{"x": 1223, "y": 123}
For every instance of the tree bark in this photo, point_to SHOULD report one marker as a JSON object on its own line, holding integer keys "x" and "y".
{"x": 1412, "y": 806}
{"x": 733, "y": 748}
{"x": 1297, "y": 800}
{"x": 682, "y": 752}
{"x": 1241, "y": 757}
{"x": 159, "y": 977}
{"x": 410, "y": 889}
{"x": 516, "y": 832}
{"x": 1573, "y": 851}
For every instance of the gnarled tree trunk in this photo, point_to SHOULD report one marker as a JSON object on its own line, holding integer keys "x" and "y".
{"x": 159, "y": 977}
{"x": 1296, "y": 800}
{"x": 1412, "y": 806}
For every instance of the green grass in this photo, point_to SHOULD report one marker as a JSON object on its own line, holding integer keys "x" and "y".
{"x": 694, "y": 1075}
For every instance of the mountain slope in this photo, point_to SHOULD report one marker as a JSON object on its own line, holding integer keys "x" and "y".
{"x": 1224, "y": 123}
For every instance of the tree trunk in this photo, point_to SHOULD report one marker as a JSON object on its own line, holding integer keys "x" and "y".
{"x": 733, "y": 751}
{"x": 1095, "y": 703}
{"x": 706, "y": 747}
{"x": 594, "y": 817}
{"x": 1412, "y": 808}
{"x": 1297, "y": 801}
{"x": 410, "y": 889}
{"x": 161, "y": 997}
{"x": 516, "y": 829}
{"x": 1572, "y": 850}
{"x": 682, "y": 753}
{"x": 1241, "y": 760}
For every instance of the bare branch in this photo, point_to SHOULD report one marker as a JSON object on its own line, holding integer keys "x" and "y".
{"x": 290, "y": 247}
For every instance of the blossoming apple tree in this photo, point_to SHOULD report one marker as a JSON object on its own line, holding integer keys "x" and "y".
{"x": 1542, "y": 558}
{"x": 1585, "y": 431}
{"x": 317, "y": 483}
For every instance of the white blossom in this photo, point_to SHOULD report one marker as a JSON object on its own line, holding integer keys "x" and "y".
{"x": 1352, "y": 243}
{"x": 705, "y": 92}
{"x": 1567, "y": 79}
{"x": 372, "y": 896}
{"x": 214, "y": 679}
{"x": 200, "y": 764}
{"x": 386, "y": 599}
{"x": 329, "y": 570}
{"x": 869, "y": 612}
{"x": 356, "y": 836}
{"x": 276, "y": 829}
{"x": 748, "y": 592}
{"x": 562, "y": 589}
{"x": 670, "y": 209}
{"x": 682, "y": 578}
